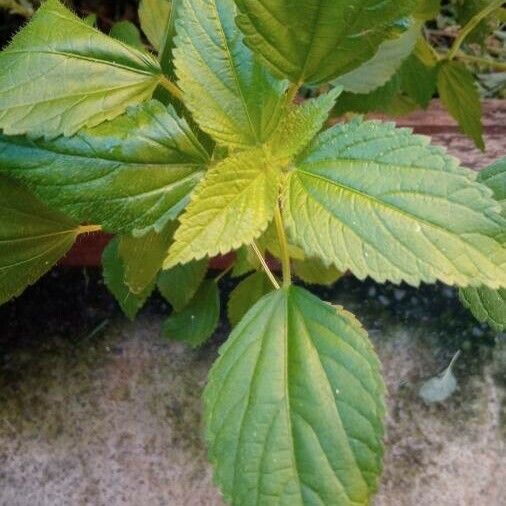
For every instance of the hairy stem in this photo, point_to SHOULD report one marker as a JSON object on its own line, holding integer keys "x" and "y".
{"x": 471, "y": 25}
{"x": 283, "y": 244}
{"x": 269, "y": 273}
{"x": 88, "y": 229}
{"x": 482, "y": 61}
{"x": 172, "y": 88}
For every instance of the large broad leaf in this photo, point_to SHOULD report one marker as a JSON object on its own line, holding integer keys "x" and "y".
{"x": 143, "y": 257}
{"x": 315, "y": 41}
{"x": 133, "y": 173}
{"x": 32, "y": 238}
{"x": 114, "y": 278}
{"x": 231, "y": 207}
{"x": 383, "y": 65}
{"x": 60, "y": 74}
{"x": 460, "y": 96}
{"x": 179, "y": 284}
{"x": 294, "y": 406}
{"x": 154, "y": 17}
{"x": 229, "y": 93}
{"x": 382, "y": 202}
{"x": 314, "y": 272}
{"x": 198, "y": 320}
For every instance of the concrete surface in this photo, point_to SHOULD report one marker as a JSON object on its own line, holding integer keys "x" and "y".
{"x": 113, "y": 417}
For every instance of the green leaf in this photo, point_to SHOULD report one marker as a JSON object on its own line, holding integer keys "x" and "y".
{"x": 376, "y": 100}
{"x": 495, "y": 178}
{"x": 427, "y": 9}
{"x": 56, "y": 81}
{"x": 300, "y": 123}
{"x": 245, "y": 262}
{"x": 230, "y": 94}
{"x": 127, "y": 32}
{"x": 314, "y": 272}
{"x": 143, "y": 257}
{"x": 179, "y": 284}
{"x": 418, "y": 80}
{"x": 459, "y": 94}
{"x": 246, "y": 294}
{"x": 114, "y": 278}
{"x": 232, "y": 206}
{"x": 91, "y": 20}
{"x": 466, "y": 10}
{"x": 383, "y": 65}
{"x": 486, "y": 305}
{"x": 133, "y": 173}
{"x": 32, "y": 239}
{"x": 318, "y": 40}
{"x": 154, "y": 17}
{"x": 294, "y": 406}
{"x": 382, "y": 202}
{"x": 196, "y": 323}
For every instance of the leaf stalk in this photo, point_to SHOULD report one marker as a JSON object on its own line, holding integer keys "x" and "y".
{"x": 268, "y": 272}
{"x": 471, "y": 25}
{"x": 88, "y": 229}
{"x": 283, "y": 244}
{"x": 172, "y": 88}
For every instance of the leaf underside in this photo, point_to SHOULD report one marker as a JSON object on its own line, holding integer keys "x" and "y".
{"x": 131, "y": 174}
{"x": 230, "y": 94}
{"x": 32, "y": 238}
{"x": 114, "y": 278}
{"x": 382, "y": 202}
{"x": 59, "y": 74}
{"x": 294, "y": 406}
{"x": 316, "y": 41}
{"x": 197, "y": 321}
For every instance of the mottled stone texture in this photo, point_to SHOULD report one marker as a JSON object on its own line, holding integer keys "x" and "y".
{"x": 113, "y": 417}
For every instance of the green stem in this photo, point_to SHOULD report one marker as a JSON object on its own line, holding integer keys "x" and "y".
{"x": 222, "y": 274}
{"x": 471, "y": 25}
{"x": 482, "y": 61}
{"x": 88, "y": 229}
{"x": 269, "y": 273}
{"x": 171, "y": 88}
{"x": 283, "y": 244}
{"x": 292, "y": 92}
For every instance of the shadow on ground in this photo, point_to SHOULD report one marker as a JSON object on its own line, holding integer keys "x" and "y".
{"x": 97, "y": 410}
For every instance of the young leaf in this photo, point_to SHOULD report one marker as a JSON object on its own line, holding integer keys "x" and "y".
{"x": 382, "y": 202}
{"x": 114, "y": 278}
{"x": 441, "y": 387}
{"x": 459, "y": 95}
{"x": 246, "y": 294}
{"x": 314, "y": 272}
{"x": 486, "y": 305}
{"x": 196, "y": 323}
{"x": 316, "y": 41}
{"x": 179, "y": 284}
{"x": 56, "y": 81}
{"x": 154, "y": 17}
{"x": 300, "y": 123}
{"x": 383, "y": 65}
{"x": 143, "y": 257}
{"x": 127, "y": 32}
{"x": 32, "y": 239}
{"x": 232, "y": 206}
{"x": 229, "y": 93}
{"x": 133, "y": 173}
{"x": 294, "y": 406}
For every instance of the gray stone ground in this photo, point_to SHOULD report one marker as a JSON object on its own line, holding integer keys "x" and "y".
{"x": 114, "y": 417}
